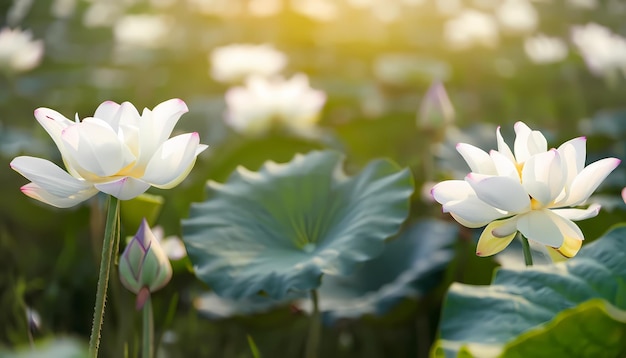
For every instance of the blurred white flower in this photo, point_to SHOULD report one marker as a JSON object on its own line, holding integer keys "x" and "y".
{"x": 146, "y": 31}
{"x": 471, "y": 28}
{"x": 63, "y": 8}
{"x": 233, "y": 63}
{"x": 413, "y": 2}
{"x": 361, "y": 4}
{"x": 172, "y": 245}
{"x": 321, "y": 10}
{"x": 583, "y": 4}
{"x": 387, "y": 12}
{"x": 18, "y": 51}
{"x": 263, "y": 104}
{"x": 517, "y": 16}
{"x": 448, "y": 7}
{"x": 102, "y": 14}
{"x": 542, "y": 49}
{"x": 223, "y": 8}
{"x": 486, "y": 4}
{"x": 18, "y": 10}
{"x": 262, "y": 8}
{"x": 400, "y": 69}
{"x": 162, "y": 3}
{"x": 603, "y": 51}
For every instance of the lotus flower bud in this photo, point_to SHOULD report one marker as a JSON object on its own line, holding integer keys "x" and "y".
{"x": 436, "y": 110}
{"x": 144, "y": 266}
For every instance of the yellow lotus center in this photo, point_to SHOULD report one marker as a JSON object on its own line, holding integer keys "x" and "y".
{"x": 519, "y": 167}
{"x": 534, "y": 203}
{"x": 131, "y": 171}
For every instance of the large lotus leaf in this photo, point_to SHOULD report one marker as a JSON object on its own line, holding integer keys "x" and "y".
{"x": 281, "y": 228}
{"x": 573, "y": 308}
{"x": 221, "y": 160}
{"x": 410, "y": 266}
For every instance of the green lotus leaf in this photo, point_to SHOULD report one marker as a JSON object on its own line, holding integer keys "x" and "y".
{"x": 411, "y": 265}
{"x": 279, "y": 229}
{"x": 575, "y": 308}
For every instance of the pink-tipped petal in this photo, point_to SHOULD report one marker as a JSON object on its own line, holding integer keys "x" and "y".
{"x": 173, "y": 161}
{"x": 573, "y": 153}
{"x": 528, "y": 142}
{"x": 477, "y": 159}
{"x": 579, "y": 214}
{"x": 49, "y": 176}
{"x": 543, "y": 176}
{"x": 588, "y": 180}
{"x": 156, "y": 126}
{"x": 34, "y": 191}
{"x": 504, "y": 148}
{"x": 54, "y": 123}
{"x": 451, "y": 190}
{"x": 109, "y": 112}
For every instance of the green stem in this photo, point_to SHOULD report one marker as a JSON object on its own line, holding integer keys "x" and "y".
{"x": 313, "y": 340}
{"x": 528, "y": 258}
{"x": 148, "y": 329}
{"x": 110, "y": 237}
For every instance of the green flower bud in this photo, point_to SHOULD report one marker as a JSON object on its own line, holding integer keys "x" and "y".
{"x": 144, "y": 266}
{"x": 436, "y": 110}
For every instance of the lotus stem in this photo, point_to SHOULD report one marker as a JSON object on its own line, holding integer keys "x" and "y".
{"x": 110, "y": 237}
{"x": 148, "y": 329}
{"x": 528, "y": 258}
{"x": 315, "y": 327}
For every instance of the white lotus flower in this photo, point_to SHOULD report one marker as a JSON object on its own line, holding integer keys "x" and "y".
{"x": 236, "y": 62}
{"x": 262, "y": 104}
{"x": 18, "y": 51}
{"x": 142, "y": 31}
{"x": 530, "y": 189}
{"x": 583, "y": 4}
{"x": 604, "y": 52}
{"x": 542, "y": 49}
{"x": 471, "y": 28}
{"x": 517, "y": 16}
{"x": 117, "y": 151}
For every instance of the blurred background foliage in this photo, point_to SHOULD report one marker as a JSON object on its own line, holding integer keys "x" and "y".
{"x": 374, "y": 59}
